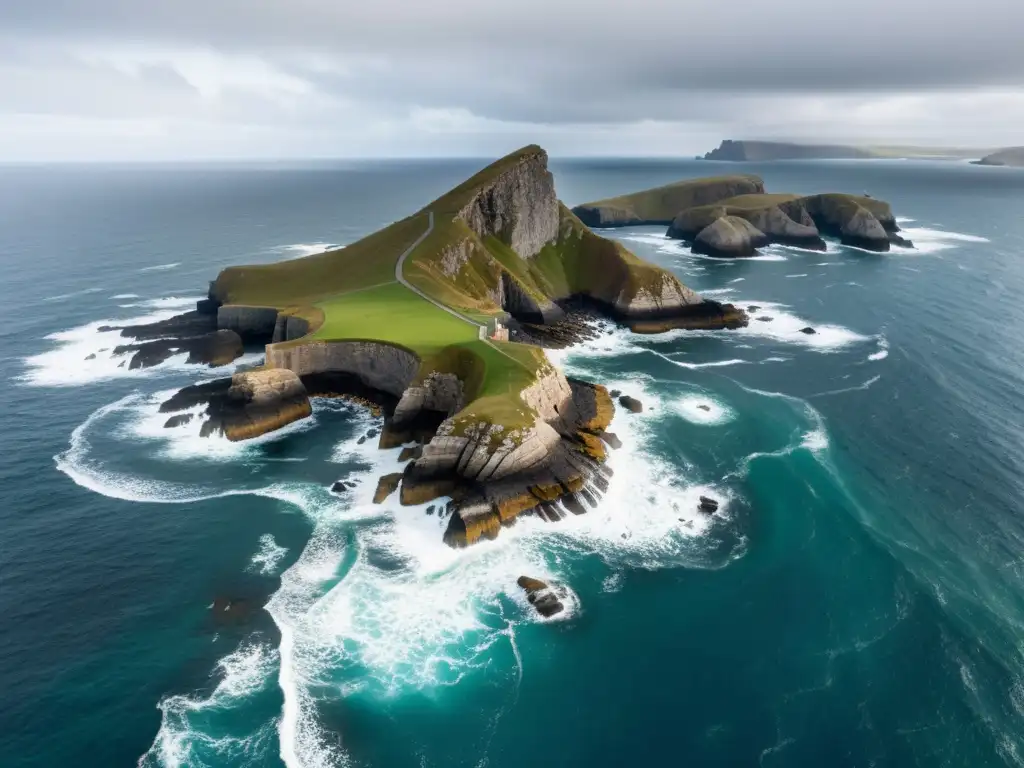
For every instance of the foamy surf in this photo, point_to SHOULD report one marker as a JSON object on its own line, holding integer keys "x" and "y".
{"x": 161, "y": 267}
{"x": 181, "y": 740}
{"x": 301, "y": 250}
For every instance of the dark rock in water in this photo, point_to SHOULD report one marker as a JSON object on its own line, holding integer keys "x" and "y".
{"x": 91, "y": 357}
{"x": 371, "y": 433}
{"x": 576, "y": 324}
{"x": 588, "y": 495}
{"x": 615, "y": 393}
{"x": 178, "y": 421}
{"x": 765, "y": 319}
{"x": 181, "y": 326}
{"x": 611, "y": 439}
{"x": 410, "y": 454}
{"x": 123, "y": 363}
{"x": 574, "y": 505}
{"x": 228, "y": 611}
{"x": 343, "y": 485}
{"x": 214, "y": 349}
{"x": 430, "y": 509}
{"x": 247, "y": 404}
{"x": 540, "y": 596}
{"x": 808, "y": 330}
{"x": 386, "y": 486}
{"x": 753, "y": 308}
{"x": 708, "y": 505}
{"x": 704, "y": 407}
{"x": 361, "y": 440}
{"x": 901, "y": 241}
{"x": 631, "y": 404}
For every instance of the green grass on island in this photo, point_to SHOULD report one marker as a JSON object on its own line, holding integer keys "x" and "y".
{"x": 351, "y": 293}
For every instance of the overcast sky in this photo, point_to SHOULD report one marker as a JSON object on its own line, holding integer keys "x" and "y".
{"x": 133, "y": 79}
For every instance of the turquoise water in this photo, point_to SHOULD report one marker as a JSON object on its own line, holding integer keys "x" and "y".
{"x": 859, "y": 602}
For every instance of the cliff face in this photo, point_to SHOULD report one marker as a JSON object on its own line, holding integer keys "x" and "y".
{"x": 519, "y": 207}
{"x": 380, "y": 366}
{"x": 251, "y": 323}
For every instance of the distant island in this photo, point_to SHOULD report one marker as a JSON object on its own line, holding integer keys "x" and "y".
{"x": 1012, "y": 156}
{"x": 761, "y": 151}
{"x": 738, "y": 151}
{"x": 733, "y": 216}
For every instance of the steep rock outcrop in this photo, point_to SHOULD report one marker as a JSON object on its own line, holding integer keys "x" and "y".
{"x": 289, "y": 327}
{"x": 729, "y": 237}
{"x": 442, "y": 392}
{"x": 522, "y": 305}
{"x": 779, "y": 226}
{"x": 519, "y": 206}
{"x": 380, "y": 366}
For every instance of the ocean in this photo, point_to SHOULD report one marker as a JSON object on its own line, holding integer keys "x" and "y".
{"x": 170, "y": 600}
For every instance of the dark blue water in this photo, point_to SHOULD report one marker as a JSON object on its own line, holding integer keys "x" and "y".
{"x": 860, "y": 601}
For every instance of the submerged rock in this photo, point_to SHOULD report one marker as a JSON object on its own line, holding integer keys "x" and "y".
{"x": 177, "y": 421}
{"x": 540, "y": 596}
{"x": 808, "y": 330}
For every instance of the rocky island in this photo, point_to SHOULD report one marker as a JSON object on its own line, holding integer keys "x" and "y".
{"x": 415, "y": 320}
{"x": 1013, "y": 156}
{"x": 733, "y": 216}
{"x": 738, "y": 151}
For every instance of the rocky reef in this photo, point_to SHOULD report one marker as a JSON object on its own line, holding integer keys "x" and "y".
{"x": 246, "y": 405}
{"x": 859, "y": 221}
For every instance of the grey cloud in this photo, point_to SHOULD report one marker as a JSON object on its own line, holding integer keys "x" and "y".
{"x": 763, "y": 68}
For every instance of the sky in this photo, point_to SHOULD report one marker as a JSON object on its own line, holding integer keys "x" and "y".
{"x": 224, "y": 79}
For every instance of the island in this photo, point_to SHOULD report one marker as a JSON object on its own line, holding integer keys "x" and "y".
{"x": 1012, "y": 156}
{"x": 733, "y": 216}
{"x": 738, "y": 151}
{"x": 417, "y": 321}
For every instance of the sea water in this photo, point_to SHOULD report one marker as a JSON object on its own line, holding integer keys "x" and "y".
{"x": 172, "y": 600}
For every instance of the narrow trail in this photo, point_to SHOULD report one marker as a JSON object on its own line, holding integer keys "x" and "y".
{"x": 400, "y": 265}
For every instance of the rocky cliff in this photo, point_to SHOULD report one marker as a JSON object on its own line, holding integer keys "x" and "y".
{"x": 380, "y": 366}
{"x": 519, "y": 206}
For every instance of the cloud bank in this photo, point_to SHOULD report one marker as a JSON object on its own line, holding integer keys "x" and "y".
{"x": 120, "y": 79}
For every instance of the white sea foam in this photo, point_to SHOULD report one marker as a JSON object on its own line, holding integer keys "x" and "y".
{"x": 125, "y": 296}
{"x": 178, "y": 303}
{"x": 700, "y": 409}
{"x": 738, "y": 280}
{"x": 268, "y": 556}
{"x": 803, "y": 274}
{"x": 300, "y": 250}
{"x": 928, "y": 240}
{"x": 883, "y": 350}
{"x": 245, "y": 672}
{"x": 63, "y": 296}
{"x": 161, "y": 267}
